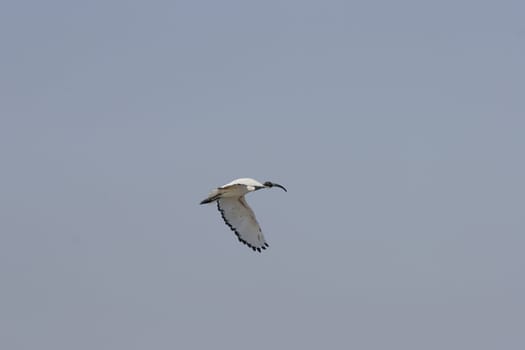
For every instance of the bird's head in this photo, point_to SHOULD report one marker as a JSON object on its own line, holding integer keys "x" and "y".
{"x": 269, "y": 184}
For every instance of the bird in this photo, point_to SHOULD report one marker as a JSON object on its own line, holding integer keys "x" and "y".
{"x": 237, "y": 214}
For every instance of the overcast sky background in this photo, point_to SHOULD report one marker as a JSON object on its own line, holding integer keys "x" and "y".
{"x": 398, "y": 128}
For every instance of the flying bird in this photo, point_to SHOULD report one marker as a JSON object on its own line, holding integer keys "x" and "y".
{"x": 237, "y": 214}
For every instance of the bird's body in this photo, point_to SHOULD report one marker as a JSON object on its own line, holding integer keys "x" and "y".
{"x": 237, "y": 214}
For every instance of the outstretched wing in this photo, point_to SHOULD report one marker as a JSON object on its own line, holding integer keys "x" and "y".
{"x": 241, "y": 219}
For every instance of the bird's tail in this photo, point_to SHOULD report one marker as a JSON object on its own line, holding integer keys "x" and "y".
{"x": 213, "y": 196}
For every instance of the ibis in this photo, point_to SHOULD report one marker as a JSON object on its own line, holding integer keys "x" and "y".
{"x": 237, "y": 214}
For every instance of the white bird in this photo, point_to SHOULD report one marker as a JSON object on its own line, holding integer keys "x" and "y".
{"x": 237, "y": 214}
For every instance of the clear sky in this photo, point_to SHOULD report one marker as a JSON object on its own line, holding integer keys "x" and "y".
{"x": 398, "y": 128}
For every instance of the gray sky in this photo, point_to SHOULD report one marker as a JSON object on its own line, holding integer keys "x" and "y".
{"x": 397, "y": 127}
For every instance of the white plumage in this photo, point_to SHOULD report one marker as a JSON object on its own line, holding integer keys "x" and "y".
{"x": 237, "y": 214}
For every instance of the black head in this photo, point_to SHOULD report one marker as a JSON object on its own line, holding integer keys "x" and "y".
{"x": 272, "y": 184}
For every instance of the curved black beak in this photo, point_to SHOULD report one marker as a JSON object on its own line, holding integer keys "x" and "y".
{"x": 272, "y": 184}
